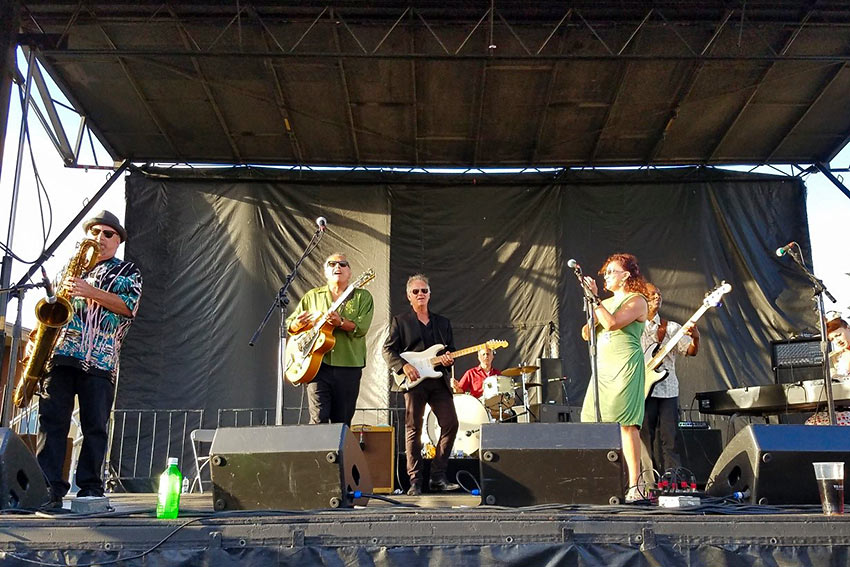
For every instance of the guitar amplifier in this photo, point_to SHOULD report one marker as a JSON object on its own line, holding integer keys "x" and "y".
{"x": 796, "y": 360}
{"x": 378, "y": 445}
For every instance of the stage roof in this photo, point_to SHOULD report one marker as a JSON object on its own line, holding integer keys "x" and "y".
{"x": 501, "y": 84}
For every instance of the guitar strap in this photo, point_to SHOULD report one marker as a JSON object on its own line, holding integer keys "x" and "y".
{"x": 662, "y": 330}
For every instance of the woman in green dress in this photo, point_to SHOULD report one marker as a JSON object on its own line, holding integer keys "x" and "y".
{"x": 620, "y": 364}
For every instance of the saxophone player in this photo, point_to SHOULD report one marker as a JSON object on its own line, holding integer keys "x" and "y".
{"x": 84, "y": 361}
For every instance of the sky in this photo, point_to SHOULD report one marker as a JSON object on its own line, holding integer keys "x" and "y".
{"x": 66, "y": 191}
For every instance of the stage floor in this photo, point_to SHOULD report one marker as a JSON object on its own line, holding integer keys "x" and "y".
{"x": 427, "y": 530}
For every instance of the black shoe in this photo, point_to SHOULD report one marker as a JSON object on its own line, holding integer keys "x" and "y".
{"x": 442, "y": 486}
{"x": 414, "y": 490}
{"x": 55, "y": 502}
{"x": 90, "y": 492}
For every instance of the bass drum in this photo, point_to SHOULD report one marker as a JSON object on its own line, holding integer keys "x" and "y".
{"x": 471, "y": 413}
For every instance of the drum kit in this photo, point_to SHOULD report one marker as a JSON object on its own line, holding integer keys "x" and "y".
{"x": 496, "y": 405}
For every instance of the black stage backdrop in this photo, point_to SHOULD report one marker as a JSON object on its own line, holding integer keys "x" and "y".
{"x": 214, "y": 247}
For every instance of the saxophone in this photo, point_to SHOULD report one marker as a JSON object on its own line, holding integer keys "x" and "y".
{"x": 51, "y": 318}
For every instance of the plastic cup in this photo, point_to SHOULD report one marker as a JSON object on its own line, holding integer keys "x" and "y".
{"x": 830, "y": 477}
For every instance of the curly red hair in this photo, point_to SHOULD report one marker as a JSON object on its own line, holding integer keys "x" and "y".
{"x": 635, "y": 282}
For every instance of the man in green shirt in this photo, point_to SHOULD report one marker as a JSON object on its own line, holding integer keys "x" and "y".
{"x": 332, "y": 394}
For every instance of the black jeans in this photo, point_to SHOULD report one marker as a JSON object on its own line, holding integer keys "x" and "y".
{"x": 658, "y": 433}
{"x": 434, "y": 392}
{"x": 95, "y": 395}
{"x": 332, "y": 394}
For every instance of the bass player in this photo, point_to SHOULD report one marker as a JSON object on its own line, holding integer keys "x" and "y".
{"x": 417, "y": 330}
{"x": 661, "y": 412}
{"x": 332, "y": 393}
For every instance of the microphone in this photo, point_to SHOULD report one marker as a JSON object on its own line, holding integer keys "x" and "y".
{"x": 573, "y": 264}
{"x": 48, "y": 287}
{"x": 322, "y": 223}
{"x": 785, "y": 249}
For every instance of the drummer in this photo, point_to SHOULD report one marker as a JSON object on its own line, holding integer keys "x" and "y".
{"x": 472, "y": 381}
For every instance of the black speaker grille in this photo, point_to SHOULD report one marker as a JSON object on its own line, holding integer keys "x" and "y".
{"x": 798, "y": 352}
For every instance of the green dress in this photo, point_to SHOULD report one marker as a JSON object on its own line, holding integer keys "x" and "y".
{"x": 620, "y": 372}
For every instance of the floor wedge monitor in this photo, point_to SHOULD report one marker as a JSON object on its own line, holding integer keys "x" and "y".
{"x": 22, "y": 483}
{"x": 290, "y": 467}
{"x": 525, "y": 464}
{"x": 772, "y": 464}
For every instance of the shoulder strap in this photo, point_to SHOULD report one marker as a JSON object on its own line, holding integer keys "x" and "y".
{"x": 662, "y": 330}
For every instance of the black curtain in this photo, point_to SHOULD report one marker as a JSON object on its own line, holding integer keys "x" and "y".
{"x": 215, "y": 246}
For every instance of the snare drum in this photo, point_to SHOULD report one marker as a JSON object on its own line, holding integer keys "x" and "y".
{"x": 471, "y": 413}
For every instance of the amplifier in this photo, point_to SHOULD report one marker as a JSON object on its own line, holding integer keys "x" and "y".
{"x": 795, "y": 360}
{"x": 378, "y": 445}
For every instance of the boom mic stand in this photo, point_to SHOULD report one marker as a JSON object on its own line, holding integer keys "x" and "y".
{"x": 281, "y": 301}
{"x": 589, "y": 296}
{"x": 818, "y": 291}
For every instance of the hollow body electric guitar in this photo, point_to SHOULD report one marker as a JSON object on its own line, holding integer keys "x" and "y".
{"x": 655, "y": 356}
{"x": 427, "y": 360}
{"x": 305, "y": 349}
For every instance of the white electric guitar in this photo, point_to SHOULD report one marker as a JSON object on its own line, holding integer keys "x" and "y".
{"x": 653, "y": 375}
{"x": 426, "y": 361}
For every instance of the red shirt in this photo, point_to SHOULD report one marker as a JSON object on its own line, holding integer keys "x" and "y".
{"x": 473, "y": 380}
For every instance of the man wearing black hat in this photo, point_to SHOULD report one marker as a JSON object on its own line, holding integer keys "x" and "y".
{"x": 85, "y": 361}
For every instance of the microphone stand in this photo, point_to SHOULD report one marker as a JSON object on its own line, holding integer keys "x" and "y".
{"x": 818, "y": 291}
{"x": 591, "y": 338}
{"x": 281, "y": 301}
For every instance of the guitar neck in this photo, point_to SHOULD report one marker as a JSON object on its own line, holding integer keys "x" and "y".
{"x": 674, "y": 340}
{"x": 334, "y": 306}
{"x": 461, "y": 352}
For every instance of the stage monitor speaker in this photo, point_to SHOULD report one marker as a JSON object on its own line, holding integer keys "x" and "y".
{"x": 22, "y": 483}
{"x": 378, "y": 445}
{"x": 526, "y": 464}
{"x": 291, "y": 467}
{"x": 699, "y": 450}
{"x": 772, "y": 464}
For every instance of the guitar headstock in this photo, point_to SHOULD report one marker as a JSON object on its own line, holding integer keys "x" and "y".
{"x": 493, "y": 344}
{"x": 364, "y": 278}
{"x": 712, "y": 298}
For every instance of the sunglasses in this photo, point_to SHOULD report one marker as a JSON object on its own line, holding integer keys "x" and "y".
{"x": 423, "y": 291}
{"x": 106, "y": 233}
{"x": 335, "y": 263}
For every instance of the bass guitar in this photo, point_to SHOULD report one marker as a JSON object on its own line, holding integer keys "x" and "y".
{"x": 653, "y": 375}
{"x": 426, "y": 361}
{"x": 305, "y": 349}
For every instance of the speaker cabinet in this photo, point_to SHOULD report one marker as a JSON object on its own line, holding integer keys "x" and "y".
{"x": 378, "y": 445}
{"x": 526, "y": 464}
{"x": 22, "y": 483}
{"x": 699, "y": 450}
{"x": 554, "y": 413}
{"x": 293, "y": 467}
{"x": 550, "y": 369}
{"x": 772, "y": 464}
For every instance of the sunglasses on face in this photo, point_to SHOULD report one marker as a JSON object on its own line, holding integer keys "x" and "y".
{"x": 423, "y": 291}
{"x": 334, "y": 263}
{"x": 106, "y": 233}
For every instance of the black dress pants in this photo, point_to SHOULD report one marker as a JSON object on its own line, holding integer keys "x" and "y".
{"x": 95, "y": 395}
{"x": 436, "y": 393}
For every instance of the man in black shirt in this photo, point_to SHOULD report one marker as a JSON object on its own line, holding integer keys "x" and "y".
{"x": 417, "y": 330}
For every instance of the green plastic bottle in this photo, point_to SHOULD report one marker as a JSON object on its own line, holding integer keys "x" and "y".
{"x": 170, "y": 483}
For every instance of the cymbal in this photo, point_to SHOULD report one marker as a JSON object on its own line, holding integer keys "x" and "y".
{"x": 519, "y": 370}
